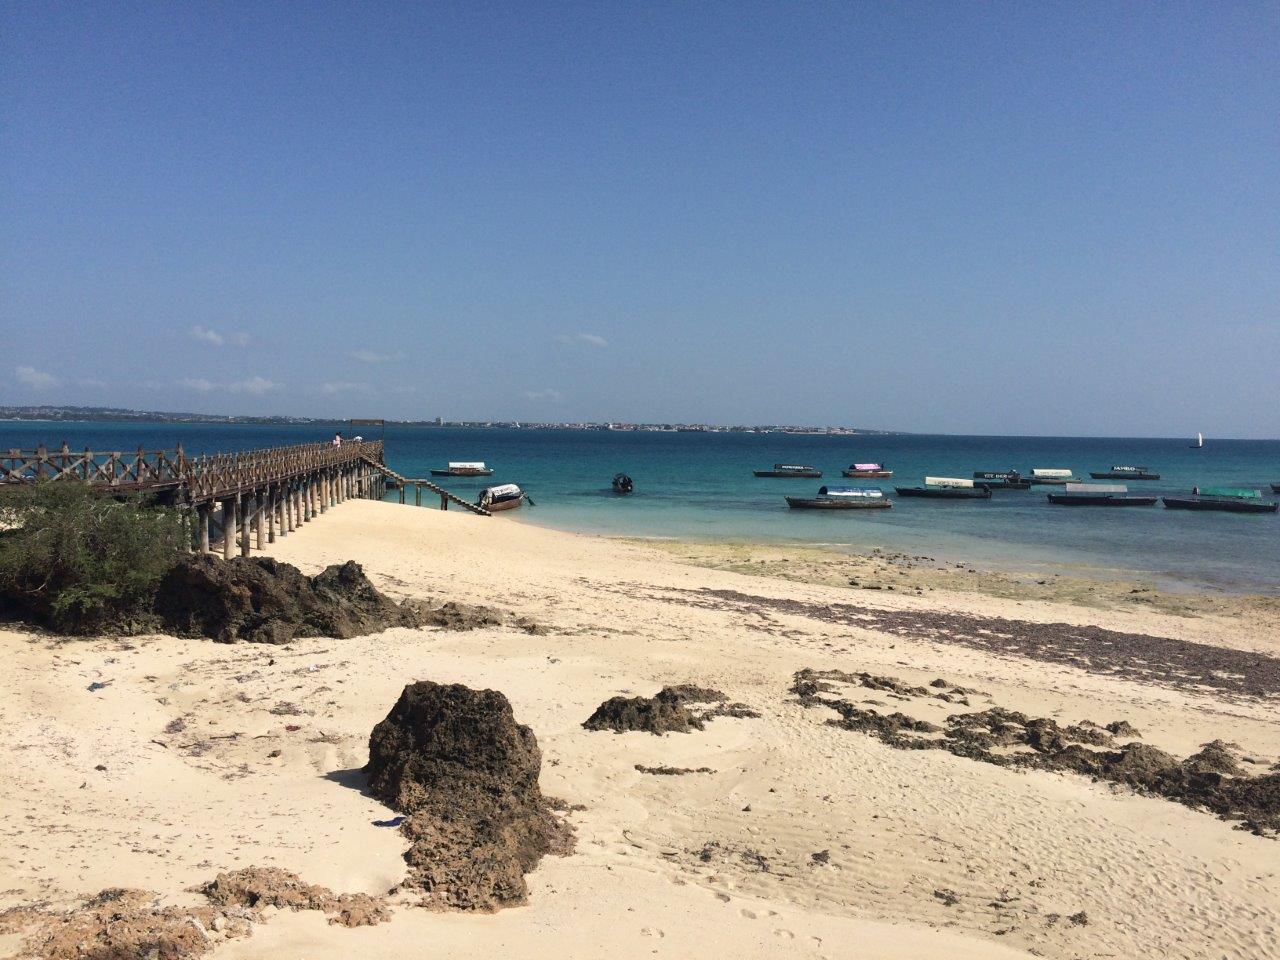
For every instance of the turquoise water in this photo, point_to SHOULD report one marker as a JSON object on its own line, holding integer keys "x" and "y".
{"x": 700, "y": 485}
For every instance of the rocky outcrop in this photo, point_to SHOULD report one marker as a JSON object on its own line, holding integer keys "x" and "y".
{"x": 466, "y": 774}
{"x": 262, "y": 600}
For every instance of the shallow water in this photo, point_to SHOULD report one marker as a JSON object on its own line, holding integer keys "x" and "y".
{"x": 701, "y": 486}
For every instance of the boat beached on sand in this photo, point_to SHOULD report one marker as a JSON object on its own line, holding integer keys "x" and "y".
{"x": 1100, "y": 495}
{"x": 947, "y": 488}
{"x": 506, "y": 496}
{"x": 1125, "y": 473}
{"x": 790, "y": 470}
{"x": 622, "y": 483}
{"x": 842, "y": 498}
{"x": 464, "y": 468}
{"x": 867, "y": 471}
{"x": 1225, "y": 499}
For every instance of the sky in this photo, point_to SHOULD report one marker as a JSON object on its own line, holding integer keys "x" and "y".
{"x": 988, "y": 218}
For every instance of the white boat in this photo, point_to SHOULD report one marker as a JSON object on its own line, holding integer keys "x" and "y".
{"x": 506, "y": 496}
{"x": 1054, "y": 475}
{"x": 1199, "y": 442}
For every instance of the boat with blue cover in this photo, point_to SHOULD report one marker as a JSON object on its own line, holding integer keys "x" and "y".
{"x": 842, "y": 498}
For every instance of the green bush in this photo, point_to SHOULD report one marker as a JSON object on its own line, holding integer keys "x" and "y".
{"x": 79, "y": 560}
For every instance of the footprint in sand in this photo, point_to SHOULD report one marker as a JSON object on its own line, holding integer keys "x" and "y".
{"x": 784, "y": 933}
{"x": 750, "y": 914}
{"x": 652, "y": 932}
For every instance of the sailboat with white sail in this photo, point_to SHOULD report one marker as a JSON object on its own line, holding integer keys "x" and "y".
{"x": 1199, "y": 442}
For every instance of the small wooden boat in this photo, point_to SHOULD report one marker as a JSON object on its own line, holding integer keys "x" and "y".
{"x": 1051, "y": 477}
{"x": 1224, "y": 499}
{"x": 1100, "y": 495}
{"x": 842, "y": 498}
{"x": 464, "y": 469}
{"x": 506, "y": 496}
{"x": 1002, "y": 479}
{"x": 790, "y": 470}
{"x": 867, "y": 471}
{"x": 1125, "y": 473}
{"x": 622, "y": 483}
{"x": 976, "y": 492}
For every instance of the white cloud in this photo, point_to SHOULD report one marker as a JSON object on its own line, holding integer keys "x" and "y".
{"x": 548, "y": 394}
{"x": 344, "y": 386}
{"x": 216, "y": 339}
{"x": 254, "y": 385}
{"x": 36, "y": 379}
{"x": 372, "y": 356}
{"x": 591, "y": 339}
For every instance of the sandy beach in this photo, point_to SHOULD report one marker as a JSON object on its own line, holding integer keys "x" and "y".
{"x": 801, "y": 839}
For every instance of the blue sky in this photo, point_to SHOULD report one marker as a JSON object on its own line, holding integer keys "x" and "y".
{"x": 976, "y": 218}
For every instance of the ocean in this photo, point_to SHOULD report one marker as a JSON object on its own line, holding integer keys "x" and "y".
{"x": 700, "y": 485}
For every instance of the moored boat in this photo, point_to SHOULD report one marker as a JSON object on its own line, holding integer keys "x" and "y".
{"x": 622, "y": 483}
{"x": 1052, "y": 476}
{"x": 464, "y": 468}
{"x": 1125, "y": 473}
{"x": 1275, "y": 488}
{"x": 867, "y": 471}
{"x": 790, "y": 470}
{"x": 842, "y": 498}
{"x": 1100, "y": 495}
{"x": 505, "y": 496}
{"x": 971, "y": 492}
{"x": 1002, "y": 479}
{"x": 1223, "y": 499}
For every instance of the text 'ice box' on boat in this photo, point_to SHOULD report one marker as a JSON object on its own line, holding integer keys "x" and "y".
{"x": 1052, "y": 476}
{"x": 1125, "y": 473}
{"x": 464, "y": 468}
{"x": 842, "y": 498}
{"x": 1223, "y": 499}
{"x": 1002, "y": 479}
{"x": 1100, "y": 495}
{"x": 506, "y": 496}
{"x": 948, "y": 488}
{"x": 790, "y": 470}
{"x": 867, "y": 471}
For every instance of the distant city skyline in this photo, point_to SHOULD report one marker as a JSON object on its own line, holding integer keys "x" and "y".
{"x": 995, "y": 220}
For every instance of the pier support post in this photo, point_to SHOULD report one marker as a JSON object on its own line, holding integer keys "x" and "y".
{"x": 202, "y": 522}
{"x": 228, "y": 529}
{"x": 242, "y": 514}
{"x": 444, "y": 502}
{"x": 259, "y": 515}
{"x": 323, "y": 481}
{"x": 269, "y": 514}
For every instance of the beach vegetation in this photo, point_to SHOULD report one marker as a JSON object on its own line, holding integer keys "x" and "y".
{"x": 78, "y": 561}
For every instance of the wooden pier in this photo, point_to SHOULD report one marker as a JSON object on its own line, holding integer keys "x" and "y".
{"x": 246, "y": 499}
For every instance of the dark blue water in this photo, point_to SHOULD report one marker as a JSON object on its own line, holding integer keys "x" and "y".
{"x": 700, "y": 485}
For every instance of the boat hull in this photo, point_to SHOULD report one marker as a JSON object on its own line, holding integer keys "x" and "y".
{"x": 462, "y": 473}
{"x": 504, "y": 504}
{"x": 1100, "y": 500}
{"x": 1113, "y": 475}
{"x": 806, "y": 475}
{"x": 1224, "y": 506}
{"x": 868, "y": 474}
{"x": 946, "y": 493}
{"x": 1006, "y": 484}
{"x": 1052, "y": 481}
{"x": 831, "y": 503}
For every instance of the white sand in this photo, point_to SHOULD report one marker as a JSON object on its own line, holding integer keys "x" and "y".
{"x": 1155, "y": 878}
